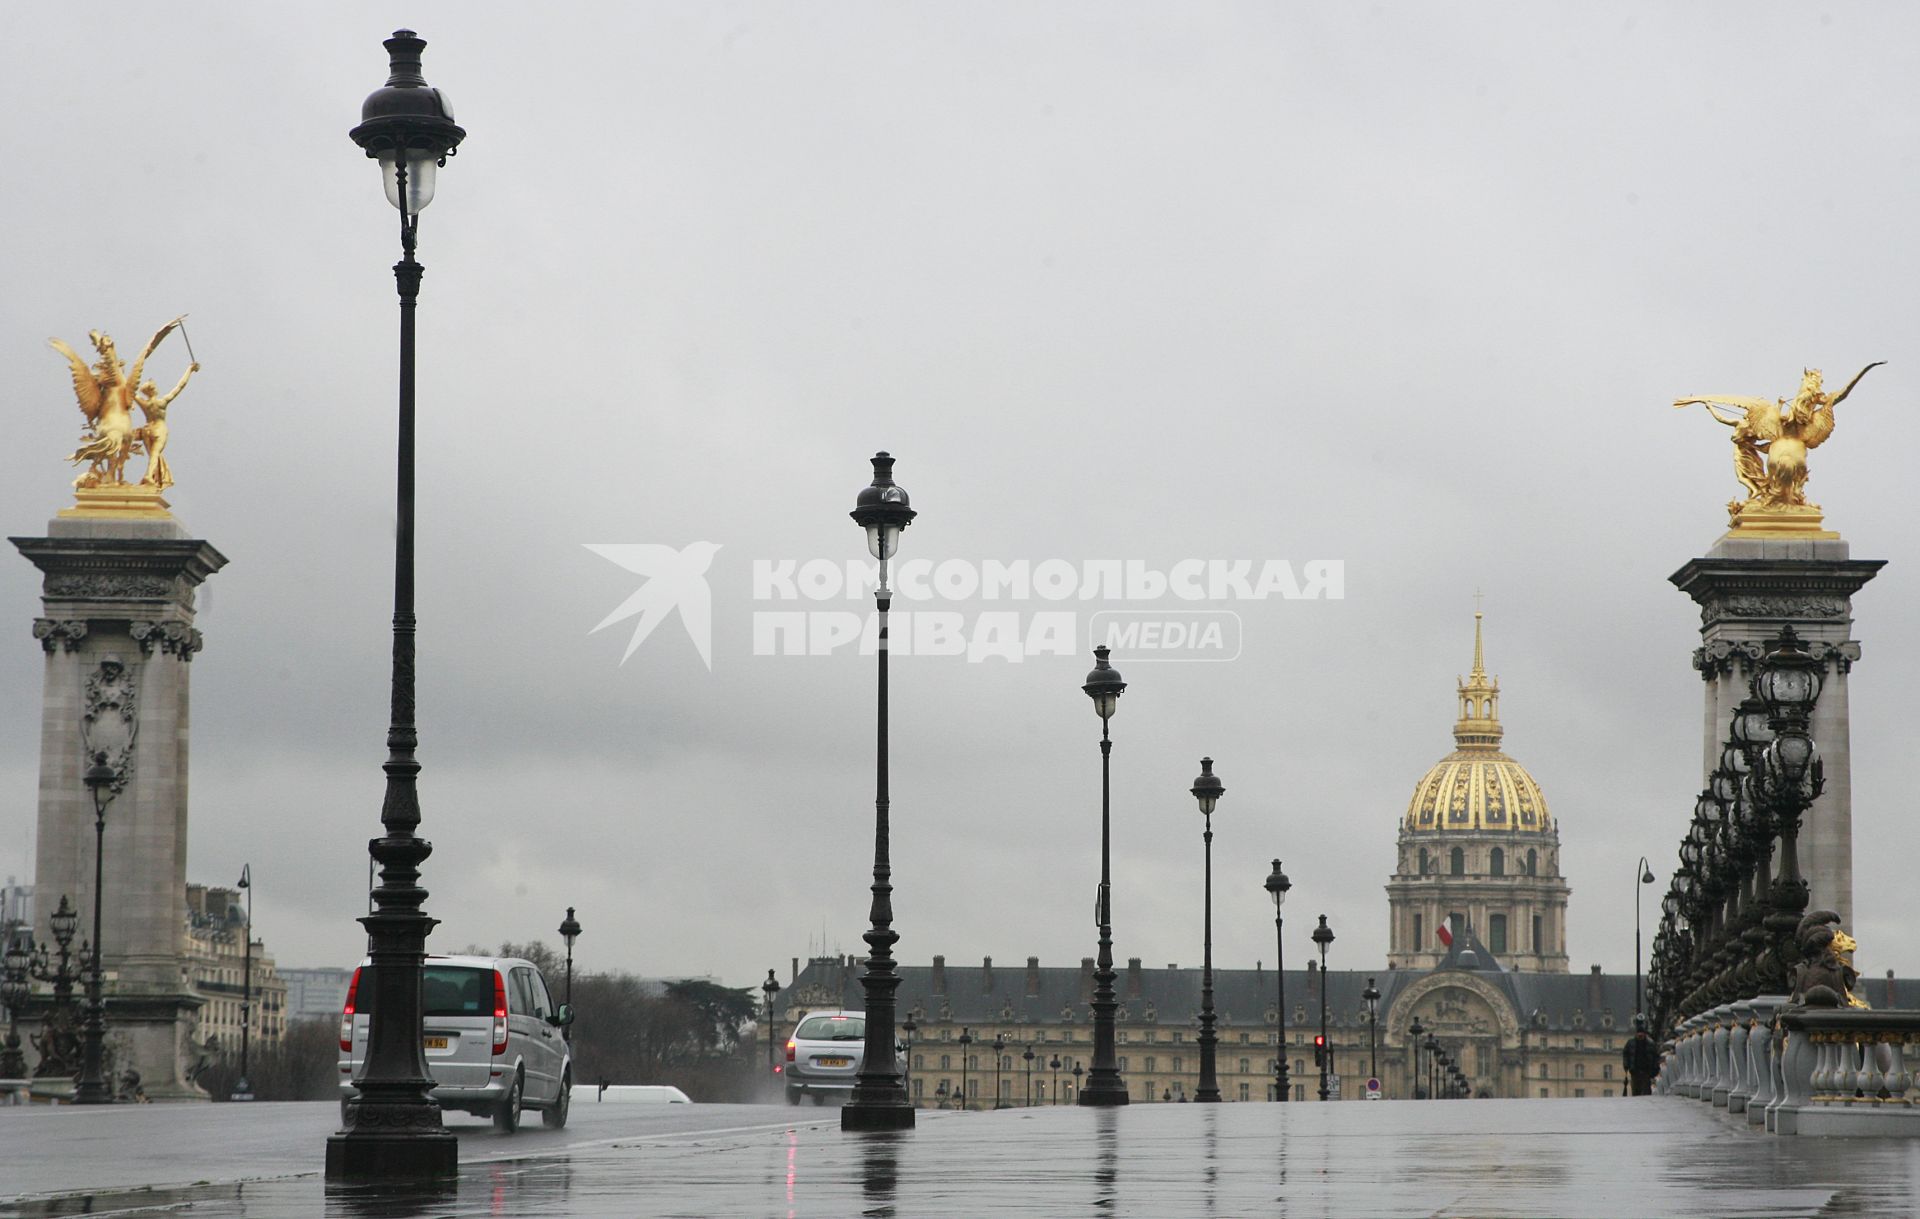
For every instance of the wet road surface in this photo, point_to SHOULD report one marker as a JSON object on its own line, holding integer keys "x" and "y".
{"x": 1604, "y": 1158}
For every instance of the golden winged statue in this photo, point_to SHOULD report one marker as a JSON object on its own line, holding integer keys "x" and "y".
{"x": 107, "y": 393}
{"x": 1771, "y": 439}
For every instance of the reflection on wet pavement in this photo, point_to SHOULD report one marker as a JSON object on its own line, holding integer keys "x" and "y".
{"x": 1664, "y": 1157}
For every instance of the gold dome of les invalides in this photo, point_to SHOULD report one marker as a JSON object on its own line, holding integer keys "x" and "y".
{"x": 1477, "y": 788}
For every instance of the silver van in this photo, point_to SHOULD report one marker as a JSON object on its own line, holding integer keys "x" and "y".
{"x": 493, "y": 1038}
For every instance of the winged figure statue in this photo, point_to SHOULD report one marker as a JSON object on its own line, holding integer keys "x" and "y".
{"x": 107, "y": 392}
{"x": 1771, "y": 438}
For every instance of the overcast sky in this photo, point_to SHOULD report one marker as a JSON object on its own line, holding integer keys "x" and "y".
{"x": 1408, "y": 286}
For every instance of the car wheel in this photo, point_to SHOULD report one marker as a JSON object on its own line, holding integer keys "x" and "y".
{"x": 793, "y": 1096}
{"x": 555, "y": 1115}
{"x": 507, "y": 1116}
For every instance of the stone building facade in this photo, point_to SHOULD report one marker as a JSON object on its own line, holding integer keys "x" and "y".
{"x": 217, "y": 971}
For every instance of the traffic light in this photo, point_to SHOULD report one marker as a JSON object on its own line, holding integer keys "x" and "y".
{"x": 1319, "y": 1049}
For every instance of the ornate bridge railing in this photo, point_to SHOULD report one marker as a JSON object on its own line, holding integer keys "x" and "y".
{"x": 1802, "y": 1070}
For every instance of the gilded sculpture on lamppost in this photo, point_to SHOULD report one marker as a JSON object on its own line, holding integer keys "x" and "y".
{"x": 107, "y": 393}
{"x": 1770, "y": 443}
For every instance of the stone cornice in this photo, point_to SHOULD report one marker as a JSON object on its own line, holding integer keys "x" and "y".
{"x": 121, "y": 570}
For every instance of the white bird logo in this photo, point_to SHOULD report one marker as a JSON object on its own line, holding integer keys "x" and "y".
{"x": 676, "y": 579}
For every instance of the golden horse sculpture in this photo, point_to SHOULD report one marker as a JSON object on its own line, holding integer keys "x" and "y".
{"x": 1771, "y": 439}
{"x": 107, "y": 393}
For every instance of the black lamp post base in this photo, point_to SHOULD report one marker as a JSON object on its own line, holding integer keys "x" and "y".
{"x": 1105, "y": 1093}
{"x": 388, "y": 1156}
{"x": 876, "y": 1115}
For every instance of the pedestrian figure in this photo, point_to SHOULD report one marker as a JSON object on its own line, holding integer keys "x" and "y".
{"x": 1642, "y": 1059}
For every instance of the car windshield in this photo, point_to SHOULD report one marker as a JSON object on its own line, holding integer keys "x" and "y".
{"x": 449, "y": 990}
{"x": 832, "y": 1028}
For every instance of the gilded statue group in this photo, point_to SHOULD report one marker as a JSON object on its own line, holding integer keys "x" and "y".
{"x": 1771, "y": 439}
{"x": 107, "y": 393}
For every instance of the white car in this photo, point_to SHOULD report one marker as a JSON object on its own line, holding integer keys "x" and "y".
{"x": 493, "y": 1038}
{"x": 824, "y": 1055}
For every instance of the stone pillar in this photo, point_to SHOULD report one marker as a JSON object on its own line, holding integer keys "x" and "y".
{"x": 1747, "y": 589}
{"x": 118, "y": 636}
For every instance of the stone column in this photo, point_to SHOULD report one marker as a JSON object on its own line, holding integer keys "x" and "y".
{"x": 1747, "y": 589}
{"x": 118, "y": 636}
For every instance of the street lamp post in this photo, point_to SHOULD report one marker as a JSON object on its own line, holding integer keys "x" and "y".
{"x": 1104, "y": 1087}
{"x": 1078, "y": 1071}
{"x": 1028, "y": 1055}
{"x": 966, "y": 1044}
{"x": 1323, "y": 936}
{"x": 999, "y": 1097}
{"x": 1055, "y": 1065}
{"x": 90, "y": 1087}
{"x": 63, "y": 922}
{"x": 1277, "y": 886}
{"x": 1207, "y": 790}
{"x": 769, "y": 988}
{"x": 879, "y": 1100}
{"x": 1415, "y": 1031}
{"x": 14, "y": 988}
{"x": 1432, "y": 1046}
{"x": 392, "y": 1127}
{"x": 569, "y": 932}
{"x": 1644, "y": 878}
{"x": 243, "y": 1090}
{"x": 1372, "y": 996}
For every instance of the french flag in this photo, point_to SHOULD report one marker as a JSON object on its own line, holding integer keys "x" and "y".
{"x": 1445, "y": 934}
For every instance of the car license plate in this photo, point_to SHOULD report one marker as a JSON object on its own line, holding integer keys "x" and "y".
{"x": 837, "y": 1060}
{"x": 436, "y": 1043}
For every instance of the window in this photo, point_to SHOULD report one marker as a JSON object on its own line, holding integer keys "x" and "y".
{"x": 1299, "y": 1091}
{"x": 1579, "y": 1070}
{"x": 1177, "y": 1067}
{"x": 1299, "y": 1066}
{"x": 1537, "y": 945}
{"x": 1497, "y": 862}
{"x": 1543, "y": 1094}
{"x": 1497, "y": 926}
{"x": 1245, "y": 1096}
{"x": 916, "y": 1089}
{"x": 1150, "y": 1060}
{"x": 1606, "y": 1071}
{"x": 1245, "y": 1066}
{"x": 1543, "y": 1074}
{"x": 1419, "y": 936}
{"x": 1426, "y": 864}
{"x": 1533, "y": 862}
{"x": 1123, "y": 1062}
{"x": 1458, "y": 862}
{"x": 946, "y": 1062}
{"x": 1579, "y": 1093}
{"x": 919, "y": 1060}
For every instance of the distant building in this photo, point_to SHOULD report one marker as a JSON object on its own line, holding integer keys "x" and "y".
{"x": 217, "y": 971}
{"x": 316, "y": 992}
{"x": 16, "y": 911}
{"x": 1477, "y": 953}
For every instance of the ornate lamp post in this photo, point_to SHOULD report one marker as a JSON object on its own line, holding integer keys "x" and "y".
{"x": 1104, "y": 1087}
{"x": 879, "y": 1100}
{"x": 999, "y": 1097}
{"x": 1323, "y": 936}
{"x": 1078, "y": 1071}
{"x": 14, "y": 989}
{"x": 1207, "y": 790}
{"x": 1432, "y": 1045}
{"x": 1028, "y": 1055}
{"x": 769, "y": 988}
{"x": 1645, "y": 878}
{"x": 1788, "y": 780}
{"x": 569, "y": 932}
{"x": 1372, "y": 996}
{"x": 242, "y": 1090}
{"x": 1055, "y": 1065}
{"x": 1415, "y": 1032}
{"x": 392, "y": 1129}
{"x": 966, "y": 1043}
{"x": 58, "y": 1026}
{"x": 1277, "y": 886}
{"x": 90, "y": 1087}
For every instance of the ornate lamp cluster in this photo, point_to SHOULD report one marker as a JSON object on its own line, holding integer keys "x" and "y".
{"x": 1727, "y": 921}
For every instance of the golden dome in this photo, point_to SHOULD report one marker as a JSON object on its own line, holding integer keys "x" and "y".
{"x": 1476, "y": 788}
